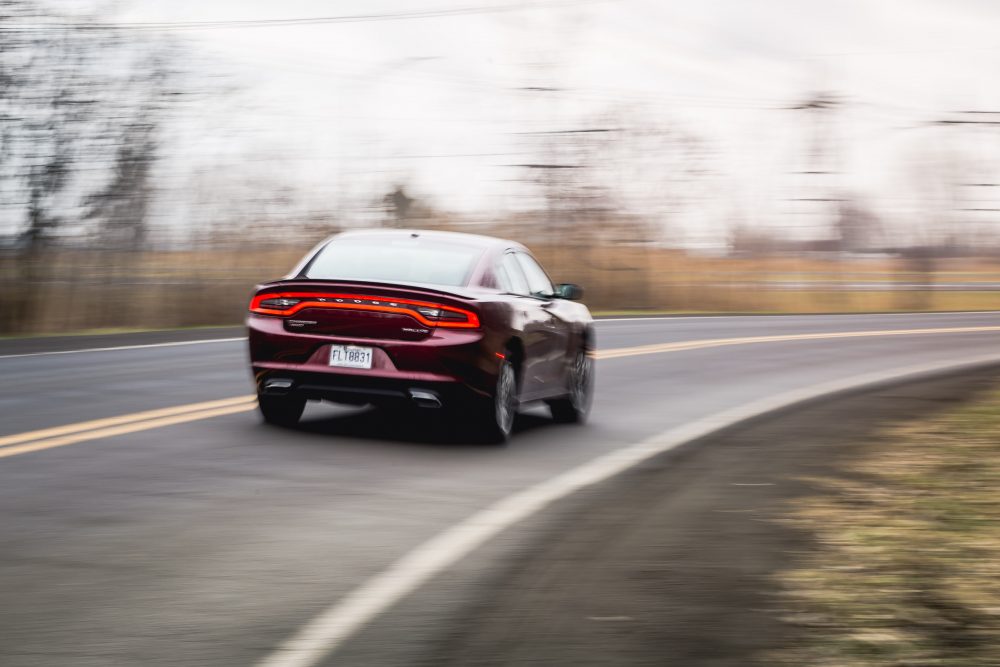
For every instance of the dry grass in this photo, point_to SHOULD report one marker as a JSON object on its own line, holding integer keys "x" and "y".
{"x": 65, "y": 291}
{"x": 633, "y": 278}
{"x": 75, "y": 290}
{"x": 907, "y": 568}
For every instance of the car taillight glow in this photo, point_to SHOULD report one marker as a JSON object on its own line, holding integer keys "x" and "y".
{"x": 428, "y": 314}
{"x": 278, "y": 304}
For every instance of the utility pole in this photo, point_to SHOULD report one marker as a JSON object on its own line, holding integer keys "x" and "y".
{"x": 982, "y": 190}
{"x": 818, "y": 195}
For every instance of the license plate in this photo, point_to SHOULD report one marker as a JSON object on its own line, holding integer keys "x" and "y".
{"x": 350, "y": 356}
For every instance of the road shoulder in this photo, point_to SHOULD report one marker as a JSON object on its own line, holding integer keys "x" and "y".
{"x": 674, "y": 562}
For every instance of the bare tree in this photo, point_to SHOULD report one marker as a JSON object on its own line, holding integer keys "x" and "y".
{"x": 78, "y": 104}
{"x": 121, "y": 207}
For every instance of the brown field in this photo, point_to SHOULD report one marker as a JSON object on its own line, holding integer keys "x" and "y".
{"x": 72, "y": 290}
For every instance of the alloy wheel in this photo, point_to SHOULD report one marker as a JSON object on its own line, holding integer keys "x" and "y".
{"x": 505, "y": 399}
{"x": 581, "y": 382}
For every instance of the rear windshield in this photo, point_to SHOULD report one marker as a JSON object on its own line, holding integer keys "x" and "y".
{"x": 407, "y": 260}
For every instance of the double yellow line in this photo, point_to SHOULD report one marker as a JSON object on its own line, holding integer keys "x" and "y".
{"x": 660, "y": 348}
{"x": 60, "y": 436}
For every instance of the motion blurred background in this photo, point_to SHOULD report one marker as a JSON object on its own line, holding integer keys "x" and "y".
{"x": 158, "y": 159}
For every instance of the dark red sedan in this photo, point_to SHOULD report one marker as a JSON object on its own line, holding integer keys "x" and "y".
{"x": 420, "y": 319}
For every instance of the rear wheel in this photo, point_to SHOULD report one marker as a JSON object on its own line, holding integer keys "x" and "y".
{"x": 495, "y": 418}
{"x": 575, "y": 406}
{"x": 281, "y": 410}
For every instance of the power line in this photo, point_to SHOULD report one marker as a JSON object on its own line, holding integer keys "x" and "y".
{"x": 310, "y": 20}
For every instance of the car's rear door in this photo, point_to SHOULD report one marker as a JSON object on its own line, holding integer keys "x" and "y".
{"x": 542, "y": 330}
{"x": 533, "y": 319}
{"x": 555, "y": 329}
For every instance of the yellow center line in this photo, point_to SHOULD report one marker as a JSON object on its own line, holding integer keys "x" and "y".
{"x": 60, "y": 436}
{"x": 74, "y": 438}
{"x": 122, "y": 419}
{"x": 659, "y": 348}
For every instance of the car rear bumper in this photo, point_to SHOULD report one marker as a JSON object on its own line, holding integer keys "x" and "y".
{"x": 448, "y": 367}
{"x": 358, "y": 390}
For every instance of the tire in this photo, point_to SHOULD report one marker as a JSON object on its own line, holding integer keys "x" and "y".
{"x": 494, "y": 418}
{"x": 575, "y": 406}
{"x": 281, "y": 410}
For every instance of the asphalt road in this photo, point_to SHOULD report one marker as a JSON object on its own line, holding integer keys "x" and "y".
{"x": 214, "y": 540}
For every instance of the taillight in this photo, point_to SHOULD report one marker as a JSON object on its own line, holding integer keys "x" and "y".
{"x": 281, "y": 303}
{"x": 445, "y": 317}
{"x": 429, "y": 314}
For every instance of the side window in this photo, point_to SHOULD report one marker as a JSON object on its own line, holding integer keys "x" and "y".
{"x": 510, "y": 269}
{"x": 538, "y": 283}
{"x": 502, "y": 279}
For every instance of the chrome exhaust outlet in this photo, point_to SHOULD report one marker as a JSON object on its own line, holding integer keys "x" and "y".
{"x": 425, "y": 399}
{"x": 277, "y": 386}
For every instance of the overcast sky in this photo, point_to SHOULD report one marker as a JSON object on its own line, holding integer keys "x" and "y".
{"x": 438, "y": 102}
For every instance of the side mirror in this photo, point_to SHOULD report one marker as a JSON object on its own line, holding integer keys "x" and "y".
{"x": 569, "y": 291}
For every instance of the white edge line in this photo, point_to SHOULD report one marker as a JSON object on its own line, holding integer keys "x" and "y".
{"x": 124, "y": 347}
{"x": 327, "y": 631}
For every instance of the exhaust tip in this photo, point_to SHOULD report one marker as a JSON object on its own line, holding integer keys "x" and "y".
{"x": 277, "y": 385}
{"x": 424, "y": 398}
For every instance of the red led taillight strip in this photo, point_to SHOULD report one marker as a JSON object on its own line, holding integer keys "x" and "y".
{"x": 357, "y": 302}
